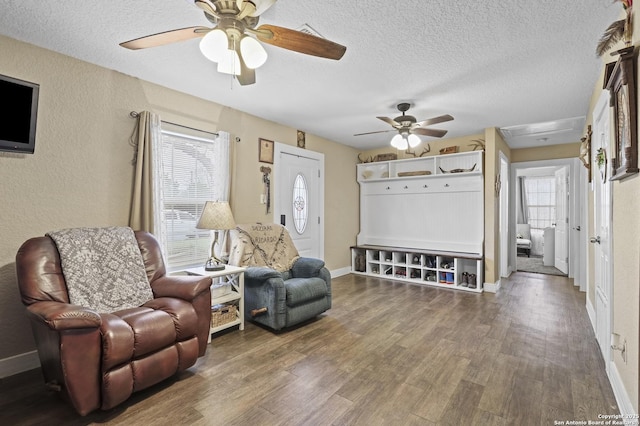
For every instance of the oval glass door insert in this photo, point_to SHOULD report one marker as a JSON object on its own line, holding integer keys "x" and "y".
{"x": 300, "y": 204}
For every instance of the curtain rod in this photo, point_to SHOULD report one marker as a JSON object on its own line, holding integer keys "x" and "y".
{"x": 135, "y": 114}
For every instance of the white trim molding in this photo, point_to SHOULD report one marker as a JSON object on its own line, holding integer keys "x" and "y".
{"x": 591, "y": 311}
{"x": 19, "y": 363}
{"x": 492, "y": 287}
{"x": 335, "y": 273}
{"x": 622, "y": 397}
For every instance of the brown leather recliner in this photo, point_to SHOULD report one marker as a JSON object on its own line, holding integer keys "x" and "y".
{"x": 96, "y": 359}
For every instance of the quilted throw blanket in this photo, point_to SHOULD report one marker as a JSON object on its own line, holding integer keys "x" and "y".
{"x": 262, "y": 245}
{"x": 103, "y": 268}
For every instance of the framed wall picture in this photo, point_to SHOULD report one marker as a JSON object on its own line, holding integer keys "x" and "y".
{"x": 301, "y": 139}
{"x": 622, "y": 86}
{"x": 265, "y": 151}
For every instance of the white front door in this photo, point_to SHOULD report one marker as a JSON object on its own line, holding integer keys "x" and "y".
{"x": 299, "y": 197}
{"x": 602, "y": 226}
{"x": 561, "y": 260}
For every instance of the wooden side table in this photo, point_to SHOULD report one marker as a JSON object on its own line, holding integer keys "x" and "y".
{"x": 234, "y": 276}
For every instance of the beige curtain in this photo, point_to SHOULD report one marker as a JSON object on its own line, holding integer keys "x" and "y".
{"x": 146, "y": 134}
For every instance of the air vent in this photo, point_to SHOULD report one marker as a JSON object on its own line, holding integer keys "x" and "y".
{"x": 306, "y": 28}
{"x": 549, "y": 127}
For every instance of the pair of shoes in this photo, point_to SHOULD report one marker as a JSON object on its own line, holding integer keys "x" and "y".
{"x": 450, "y": 278}
{"x": 472, "y": 281}
{"x": 464, "y": 281}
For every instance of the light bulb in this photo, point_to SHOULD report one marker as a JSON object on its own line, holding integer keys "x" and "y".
{"x": 413, "y": 140}
{"x": 252, "y": 52}
{"x": 396, "y": 141}
{"x": 229, "y": 63}
{"x": 214, "y": 45}
{"x": 399, "y": 141}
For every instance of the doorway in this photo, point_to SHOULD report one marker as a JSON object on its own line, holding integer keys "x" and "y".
{"x": 552, "y": 207}
{"x": 299, "y": 197}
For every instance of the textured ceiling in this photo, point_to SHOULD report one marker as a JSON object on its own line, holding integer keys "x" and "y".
{"x": 488, "y": 63}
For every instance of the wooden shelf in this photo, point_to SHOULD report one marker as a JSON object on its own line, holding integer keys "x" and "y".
{"x": 233, "y": 276}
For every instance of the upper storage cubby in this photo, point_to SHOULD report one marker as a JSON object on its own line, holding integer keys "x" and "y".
{"x": 460, "y": 163}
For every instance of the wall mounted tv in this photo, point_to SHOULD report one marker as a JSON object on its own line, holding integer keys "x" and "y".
{"x": 18, "y": 121}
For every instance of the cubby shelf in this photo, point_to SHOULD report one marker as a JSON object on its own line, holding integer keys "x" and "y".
{"x": 439, "y": 269}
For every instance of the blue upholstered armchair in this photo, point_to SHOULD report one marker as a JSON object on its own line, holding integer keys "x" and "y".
{"x": 281, "y": 289}
{"x": 282, "y": 299}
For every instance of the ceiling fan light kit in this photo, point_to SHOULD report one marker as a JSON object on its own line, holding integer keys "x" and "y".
{"x": 234, "y": 41}
{"x": 215, "y": 47}
{"x": 408, "y": 128}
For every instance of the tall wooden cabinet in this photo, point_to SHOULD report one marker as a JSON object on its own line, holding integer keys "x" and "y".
{"x": 428, "y": 206}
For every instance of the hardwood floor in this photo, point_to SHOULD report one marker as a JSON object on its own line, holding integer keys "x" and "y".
{"x": 387, "y": 353}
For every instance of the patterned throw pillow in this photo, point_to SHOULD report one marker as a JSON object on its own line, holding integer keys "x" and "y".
{"x": 103, "y": 268}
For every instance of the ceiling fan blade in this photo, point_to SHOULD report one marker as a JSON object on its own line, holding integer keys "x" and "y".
{"x": 435, "y": 120}
{"x": 436, "y": 133}
{"x": 299, "y": 42}
{"x": 247, "y": 75}
{"x": 390, "y": 121}
{"x": 371, "y": 133}
{"x": 166, "y": 37}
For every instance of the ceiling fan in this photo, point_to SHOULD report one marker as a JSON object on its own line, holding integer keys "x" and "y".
{"x": 233, "y": 40}
{"x": 408, "y": 128}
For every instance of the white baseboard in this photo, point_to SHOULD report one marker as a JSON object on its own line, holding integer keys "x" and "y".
{"x": 19, "y": 363}
{"x": 591, "y": 312}
{"x": 622, "y": 397}
{"x": 340, "y": 272}
{"x": 492, "y": 287}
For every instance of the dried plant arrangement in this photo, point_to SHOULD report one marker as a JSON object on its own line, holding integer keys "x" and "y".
{"x": 619, "y": 30}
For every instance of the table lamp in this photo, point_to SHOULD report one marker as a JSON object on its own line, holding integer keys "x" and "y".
{"x": 217, "y": 216}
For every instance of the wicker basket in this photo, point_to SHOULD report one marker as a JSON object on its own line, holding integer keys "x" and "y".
{"x": 223, "y": 314}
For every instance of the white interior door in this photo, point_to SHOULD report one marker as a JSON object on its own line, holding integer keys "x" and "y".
{"x": 602, "y": 225}
{"x": 561, "y": 260}
{"x": 299, "y": 198}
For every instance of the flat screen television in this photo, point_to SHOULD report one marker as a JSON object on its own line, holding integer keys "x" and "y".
{"x": 18, "y": 120}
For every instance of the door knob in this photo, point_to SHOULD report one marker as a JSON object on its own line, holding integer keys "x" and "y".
{"x": 594, "y": 240}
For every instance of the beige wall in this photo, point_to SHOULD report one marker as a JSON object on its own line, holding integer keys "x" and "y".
{"x": 495, "y": 145}
{"x": 81, "y": 172}
{"x": 551, "y": 152}
{"x": 625, "y": 255}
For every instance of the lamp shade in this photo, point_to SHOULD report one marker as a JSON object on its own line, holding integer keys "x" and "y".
{"x": 413, "y": 140}
{"x": 216, "y": 215}
{"x": 399, "y": 142}
{"x": 214, "y": 45}
{"x": 252, "y": 52}
{"x": 229, "y": 63}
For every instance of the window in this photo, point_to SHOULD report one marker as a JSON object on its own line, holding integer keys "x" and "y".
{"x": 192, "y": 168}
{"x": 300, "y": 204}
{"x": 541, "y": 200}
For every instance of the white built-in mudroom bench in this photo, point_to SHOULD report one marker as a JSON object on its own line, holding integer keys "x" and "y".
{"x": 422, "y": 220}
